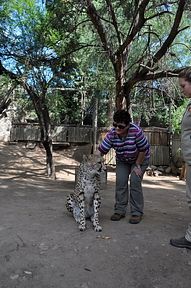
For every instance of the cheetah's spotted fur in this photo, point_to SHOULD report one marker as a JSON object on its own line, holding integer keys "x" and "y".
{"x": 85, "y": 202}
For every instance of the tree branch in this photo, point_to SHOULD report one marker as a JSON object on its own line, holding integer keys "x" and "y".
{"x": 159, "y": 74}
{"x": 165, "y": 3}
{"x": 158, "y": 15}
{"x": 173, "y": 33}
{"x": 165, "y": 46}
{"x": 110, "y": 7}
{"x": 138, "y": 24}
{"x": 8, "y": 73}
{"x": 93, "y": 14}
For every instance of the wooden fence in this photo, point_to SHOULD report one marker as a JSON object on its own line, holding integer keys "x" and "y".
{"x": 159, "y": 139}
{"x": 60, "y": 134}
{"x": 162, "y": 144}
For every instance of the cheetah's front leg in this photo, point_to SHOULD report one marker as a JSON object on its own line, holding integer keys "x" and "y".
{"x": 82, "y": 220}
{"x": 70, "y": 203}
{"x": 95, "y": 217}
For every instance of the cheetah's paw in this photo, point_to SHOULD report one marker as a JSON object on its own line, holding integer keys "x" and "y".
{"x": 82, "y": 227}
{"x": 98, "y": 228}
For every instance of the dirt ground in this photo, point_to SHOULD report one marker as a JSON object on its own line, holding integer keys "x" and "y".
{"x": 41, "y": 246}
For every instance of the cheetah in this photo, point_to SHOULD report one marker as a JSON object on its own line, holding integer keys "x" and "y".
{"x": 85, "y": 202}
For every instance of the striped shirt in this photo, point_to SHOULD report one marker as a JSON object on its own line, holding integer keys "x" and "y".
{"x": 126, "y": 149}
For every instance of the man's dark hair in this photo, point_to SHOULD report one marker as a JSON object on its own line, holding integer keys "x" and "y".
{"x": 122, "y": 116}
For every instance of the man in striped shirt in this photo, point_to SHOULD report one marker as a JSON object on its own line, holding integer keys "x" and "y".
{"x": 132, "y": 158}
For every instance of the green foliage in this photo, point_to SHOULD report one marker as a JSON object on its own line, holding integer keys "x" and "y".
{"x": 177, "y": 117}
{"x": 64, "y": 106}
{"x": 154, "y": 102}
{"x": 6, "y": 88}
{"x": 24, "y": 108}
{"x": 45, "y": 46}
{"x": 37, "y": 47}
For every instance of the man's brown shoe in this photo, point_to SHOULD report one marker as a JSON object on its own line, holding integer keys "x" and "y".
{"x": 135, "y": 219}
{"x": 116, "y": 217}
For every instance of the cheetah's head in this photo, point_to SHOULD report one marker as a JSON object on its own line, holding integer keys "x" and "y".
{"x": 94, "y": 164}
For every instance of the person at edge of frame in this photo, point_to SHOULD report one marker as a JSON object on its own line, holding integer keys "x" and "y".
{"x": 132, "y": 159}
{"x": 185, "y": 84}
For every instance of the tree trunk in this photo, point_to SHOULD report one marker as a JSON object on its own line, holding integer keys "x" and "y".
{"x": 122, "y": 90}
{"x": 45, "y": 127}
{"x": 49, "y": 159}
{"x": 120, "y": 79}
{"x": 127, "y": 91}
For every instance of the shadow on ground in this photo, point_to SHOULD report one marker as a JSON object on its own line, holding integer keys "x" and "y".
{"x": 41, "y": 246}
